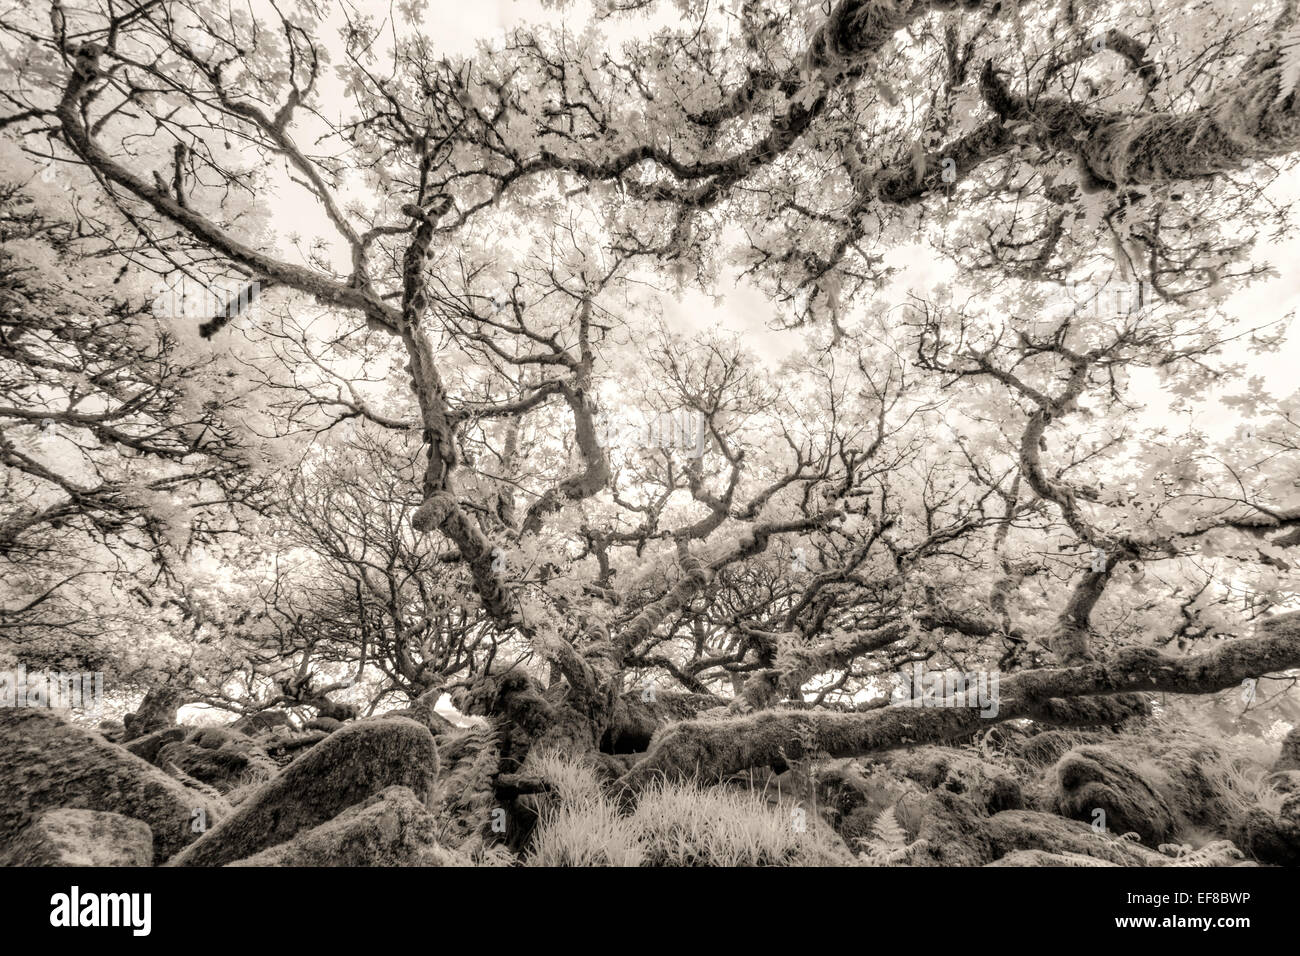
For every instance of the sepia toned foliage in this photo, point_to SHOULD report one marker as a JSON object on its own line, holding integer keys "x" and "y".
{"x": 379, "y": 388}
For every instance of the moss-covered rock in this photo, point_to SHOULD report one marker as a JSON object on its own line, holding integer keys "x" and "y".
{"x": 223, "y": 770}
{"x": 1092, "y": 779}
{"x": 391, "y": 828}
{"x": 147, "y": 747}
{"x": 48, "y": 764}
{"x": 81, "y": 838}
{"x": 990, "y": 787}
{"x": 1289, "y": 759}
{"x": 260, "y": 723}
{"x": 422, "y": 710}
{"x": 1157, "y": 789}
{"x": 852, "y": 798}
{"x": 327, "y": 724}
{"x": 219, "y": 738}
{"x": 1043, "y": 858}
{"x": 344, "y": 769}
{"x": 1269, "y": 837}
{"x": 954, "y": 832}
{"x": 1047, "y": 747}
{"x": 1014, "y": 830}
{"x": 284, "y": 748}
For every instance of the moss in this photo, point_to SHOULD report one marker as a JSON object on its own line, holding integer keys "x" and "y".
{"x": 46, "y": 763}
{"x": 1046, "y": 748}
{"x": 215, "y": 738}
{"x": 852, "y": 800}
{"x": 391, "y": 828}
{"x": 147, "y": 747}
{"x": 1289, "y": 759}
{"x": 344, "y": 769}
{"x": 1014, "y": 830}
{"x": 82, "y": 838}
{"x": 991, "y": 787}
{"x": 225, "y": 769}
{"x": 254, "y": 724}
{"x": 1268, "y": 837}
{"x": 1096, "y": 778}
{"x": 954, "y": 830}
{"x": 1163, "y": 790}
{"x": 286, "y": 749}
{"x": 1043, "y": 858}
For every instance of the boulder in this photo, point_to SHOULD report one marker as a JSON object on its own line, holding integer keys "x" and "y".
{"x": 391, "y": 828}
{"x": 147, "y": 747}
{"x": 1014, "y": 830}
{"x": 1291, "y": 808}
{"x": 340, "y": 771}
{"x": 1096, "y": 778}
{"x": 260, "y": 723}
{"x": 954, "y": 831}
{"x": 48, "y": 764}
{"x": 327, "y": 724}
{"x": 1046, "y": 747}
{"x": 285, "y": 749}
{"x": 421, "y": 710}
{"x": 990, "y": 787}
{"x": 82, "y": 838}
{"x": 1163, "y": 790}
{"x": 223, "y": 770}
{"x": 218, "y": 738}
{"x": 1290, "y": 756}
{"x": 1043, "y": 858}
{"x": 1269, "y": 837}
{"x": 216, "y": 757}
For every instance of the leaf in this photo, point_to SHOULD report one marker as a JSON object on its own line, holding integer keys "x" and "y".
{"x": 1290, "y": 70}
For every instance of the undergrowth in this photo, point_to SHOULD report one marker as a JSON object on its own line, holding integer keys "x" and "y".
{"x": 672, "y": 825}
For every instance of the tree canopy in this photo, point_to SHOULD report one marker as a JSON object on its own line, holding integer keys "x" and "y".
{"x": 659, "y": 378}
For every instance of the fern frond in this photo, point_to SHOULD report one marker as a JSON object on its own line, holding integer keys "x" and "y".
{"x": 1218, "y": 853}
{"x": 1290, "y": 74}
{"x": 888, "y": 844}
{"x": 889, "y": 833}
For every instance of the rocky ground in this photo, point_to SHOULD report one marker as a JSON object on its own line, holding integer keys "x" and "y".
{"x": 410, "y": 789}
